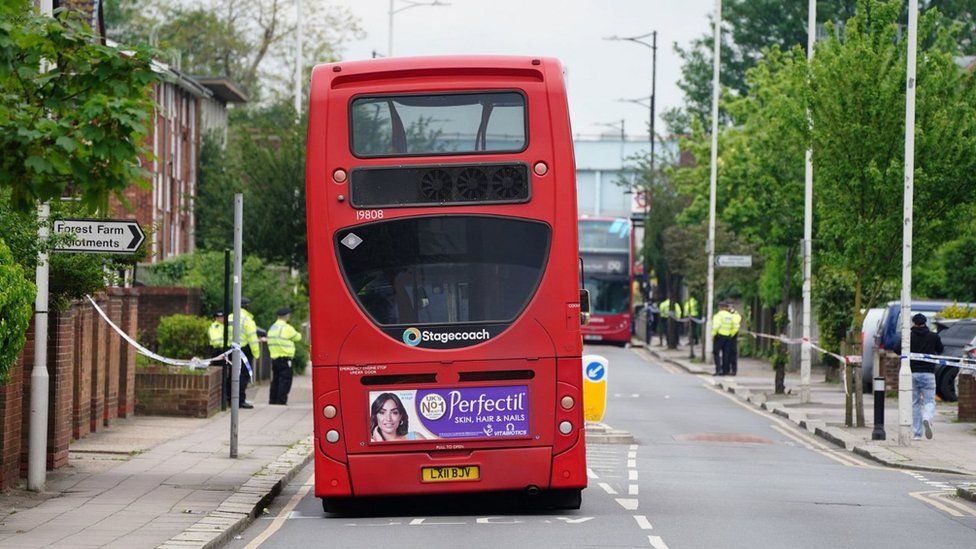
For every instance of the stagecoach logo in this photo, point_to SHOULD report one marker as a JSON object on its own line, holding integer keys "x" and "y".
{"x": 413, "y": 336}
{"x": 433, "y": 406}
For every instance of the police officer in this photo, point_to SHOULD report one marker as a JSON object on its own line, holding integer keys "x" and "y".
{"x": 723, "y": 326}
{"x": 671, "y": 312}
{"x": 251, "y": 348}
{"x": 281, "y": 345}
{"x": 691, "y": 312}
{"x": 215, "y": 333}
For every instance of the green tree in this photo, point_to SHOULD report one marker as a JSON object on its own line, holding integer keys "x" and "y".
{"x": 265, "y": 160}
{"x": 73, "y": 112}
{"x": 16, "y": 304}
{"x": 249, "y": 41}
{"x": 857, "y": 99}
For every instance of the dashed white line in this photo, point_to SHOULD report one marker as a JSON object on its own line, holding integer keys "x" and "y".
{"x": 590, "y": 473}
{"x": 631, "y": 463}
{"x": 632, "y": 474}
{"x": 629, "y": 504}
{"x": 632, "y": 454}
{"x": 633, "y": 446}
{"x": 632, "y": 490}
{"x": 608, "y": 489}
{"x": 643, "y": 522}
{"x": 657, "y": 542}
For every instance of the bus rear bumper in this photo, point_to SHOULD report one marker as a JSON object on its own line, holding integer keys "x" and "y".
{"x": 510, "y": 469}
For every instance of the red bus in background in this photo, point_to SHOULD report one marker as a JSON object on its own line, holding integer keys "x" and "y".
{"x": 444, "y": 281}
{"x": 607, "y": 251}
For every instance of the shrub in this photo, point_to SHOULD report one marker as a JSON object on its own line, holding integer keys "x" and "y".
{"x": 957, "y": 311}
{"x": 183, "y": 336}
{"x": 16, "y": 296}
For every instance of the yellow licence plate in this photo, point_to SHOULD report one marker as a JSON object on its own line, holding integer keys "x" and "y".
{"x": 449, "y": 474}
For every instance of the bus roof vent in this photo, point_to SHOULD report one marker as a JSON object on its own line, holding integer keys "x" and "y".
{"x": 439, "y": 185}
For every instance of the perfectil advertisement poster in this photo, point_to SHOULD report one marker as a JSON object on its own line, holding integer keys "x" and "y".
{"x": 450, "y": 413}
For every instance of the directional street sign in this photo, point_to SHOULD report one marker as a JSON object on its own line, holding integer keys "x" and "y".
{"x": 104, "y": 236}
{"x": 733, "y": 261}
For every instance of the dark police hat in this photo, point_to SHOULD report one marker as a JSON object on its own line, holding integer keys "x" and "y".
{"x": 284, "y": 311}
{"x": 218, "y": 313}
{"x": 918, "y": 319}
{"x": 245, "y": 301}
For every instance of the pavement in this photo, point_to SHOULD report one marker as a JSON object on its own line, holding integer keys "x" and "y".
{"x": 152, "y": 481}
{"x": 951, "y": 450}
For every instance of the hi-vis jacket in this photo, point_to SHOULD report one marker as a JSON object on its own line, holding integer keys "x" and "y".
{"x": 249, "y": 331}
{"x": 216, "y": 334}
{"x": 691, "y": 307}
{"x": 668, "y": 307}
{"x": 281, "y": 340}
{"x": 724, "y": 324}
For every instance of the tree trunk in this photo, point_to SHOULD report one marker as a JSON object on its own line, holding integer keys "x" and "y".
{"x": 782, "y": 321}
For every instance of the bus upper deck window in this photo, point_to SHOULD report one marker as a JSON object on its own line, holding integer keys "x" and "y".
{"x": 426, "y": 125}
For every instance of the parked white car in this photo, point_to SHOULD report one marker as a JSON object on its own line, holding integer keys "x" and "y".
{"x": 870, "y": 327}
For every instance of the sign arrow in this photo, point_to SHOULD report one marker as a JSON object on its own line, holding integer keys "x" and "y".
{"x": 105, "y": 236}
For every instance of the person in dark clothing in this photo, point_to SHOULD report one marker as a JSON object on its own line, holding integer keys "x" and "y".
{"x": 924, "y": 341}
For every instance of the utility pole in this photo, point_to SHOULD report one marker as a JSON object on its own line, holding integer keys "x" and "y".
{"x": 235, "y": 371}
{"x": 713, "y": 182}
{"x": 904, "y": 371}
{"x": 808, "y": 226}
{"x": 298, "y": 60}
{"x": 40, "y": 380}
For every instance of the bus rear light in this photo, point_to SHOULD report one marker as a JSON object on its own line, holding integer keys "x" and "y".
{"x": 567, "y": 402}
{"x": 332, "y": 436}
{"x": 540, "y": 168}
{"x": 565, "y": 427}
{"x": 339, "y": 176}
{"x": 329, "y": 411}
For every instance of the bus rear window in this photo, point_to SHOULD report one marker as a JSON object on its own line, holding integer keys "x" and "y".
{"x": 444, "y": 270}
{"x": 424, "y": 125}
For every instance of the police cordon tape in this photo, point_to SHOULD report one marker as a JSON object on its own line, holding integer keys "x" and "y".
{"x": 195, "y": 363}
{"x": 686, "y": 319}
{"x": 959, "y": 362}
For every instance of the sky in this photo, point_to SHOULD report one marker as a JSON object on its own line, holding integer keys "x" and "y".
{"x": 599, "y": 72}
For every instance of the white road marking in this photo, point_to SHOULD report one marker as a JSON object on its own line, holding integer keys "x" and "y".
{"x": 631, "y": 463}
{"x": 279, "y": 521}
{"x": 656, "y": 542}
{"x": 590, "y": 473}
{"x": 608, "y": 489}
{"x": 578, "y": 520}
{"x": 632, "y": 474}
{"x": 632, "y": 490}
{"x": 632, "y": 454}
{"x": 633, "y": 446}
{"x": 643, "y": 522}
{"x": 422, "y": 522}
{"x": 629, "y": 504}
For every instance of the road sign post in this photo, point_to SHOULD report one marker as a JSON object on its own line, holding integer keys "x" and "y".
{"x": 105, "y": 236}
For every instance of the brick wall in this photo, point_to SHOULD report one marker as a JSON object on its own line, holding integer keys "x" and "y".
{"x": 967, "y": 396}
{"x": 84, "y": 351}
{"x": 11, "y": 402}
{"x": 114, "y": 312}
{"x": 97, "y": 375}
{"x": 92, "y": 375}
{"x": 157, "y": 302}
{"x": 162, "y": 392}
{"x": 61, "y": 368}
{"x": 127, "y": 356}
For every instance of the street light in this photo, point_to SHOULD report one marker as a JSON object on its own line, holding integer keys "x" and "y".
{"x": 409, "y": 4}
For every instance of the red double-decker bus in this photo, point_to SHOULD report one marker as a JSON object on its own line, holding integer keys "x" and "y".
{"x": 444, "y": 279}
{"x": 607, "y": 251}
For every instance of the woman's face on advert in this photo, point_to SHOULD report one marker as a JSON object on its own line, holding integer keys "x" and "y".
{"x": 388, "y": 418}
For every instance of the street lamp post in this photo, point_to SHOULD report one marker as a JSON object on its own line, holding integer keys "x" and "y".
{"x": 904, "y": 371}
{"x": 807, "y": 228}
{"x": 394, "y": 10}
{"x": 713, "y": 181}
